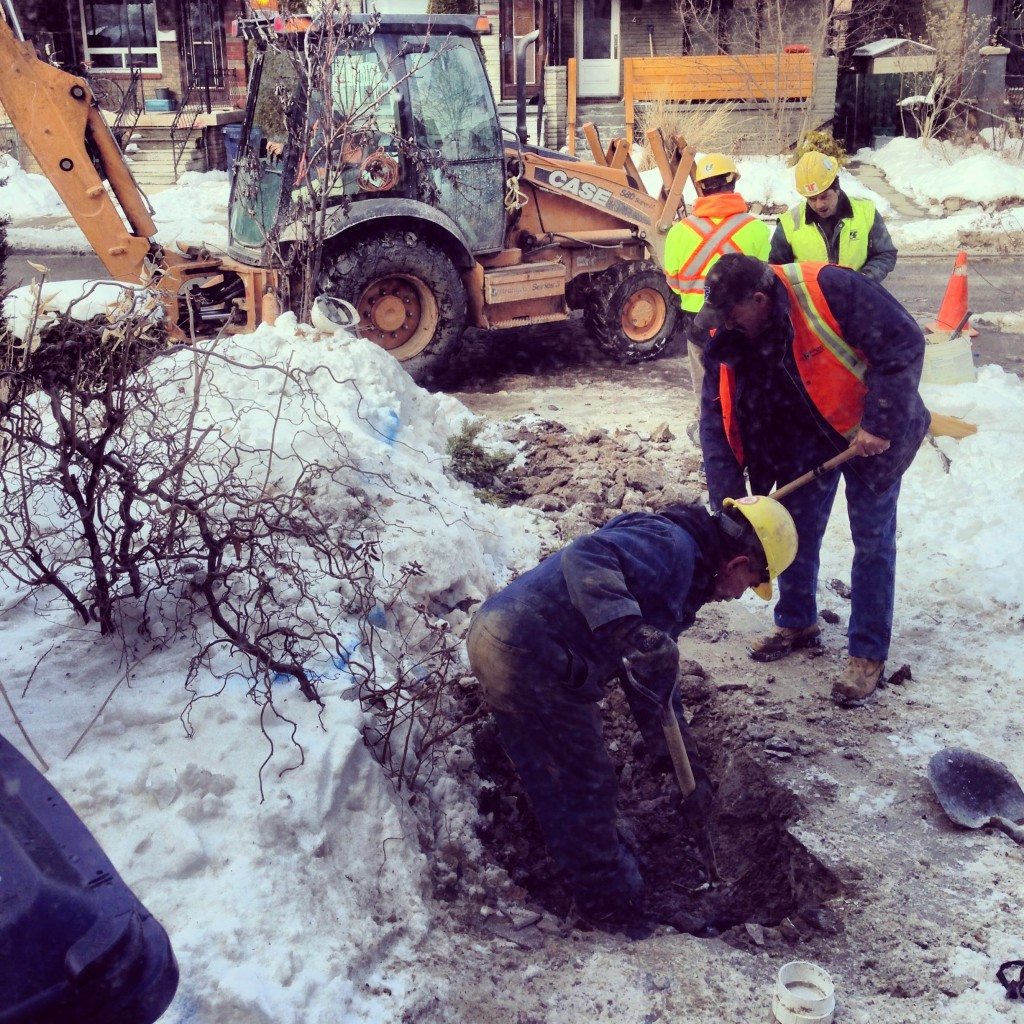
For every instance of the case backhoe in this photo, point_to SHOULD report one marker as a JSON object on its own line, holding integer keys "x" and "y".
{"x": 432, "y": 221}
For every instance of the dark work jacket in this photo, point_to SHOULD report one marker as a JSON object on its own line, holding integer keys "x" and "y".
{"x": 638, "y": 564}
{"x": 783, "y": 433}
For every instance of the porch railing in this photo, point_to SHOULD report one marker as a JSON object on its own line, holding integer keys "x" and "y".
{"x": 194, "y": 101}
{"x": 130, "y": 109}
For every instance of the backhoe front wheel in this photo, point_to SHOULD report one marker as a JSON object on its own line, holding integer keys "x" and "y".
{"x": 631, "y": 311}
{"x": 409, "y": 296}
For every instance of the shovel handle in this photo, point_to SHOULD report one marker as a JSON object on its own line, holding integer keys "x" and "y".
{"x": 812, "y": 474}
{"x": 1015, "y": 832}
{"x": 677, "y": 751}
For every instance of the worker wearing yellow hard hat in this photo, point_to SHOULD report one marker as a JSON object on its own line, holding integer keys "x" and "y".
{"x": 610, "y": 607}
{"x": 721, "y": 222}
{"x": 829, "y": 226}
{"x": 776, "y": 533}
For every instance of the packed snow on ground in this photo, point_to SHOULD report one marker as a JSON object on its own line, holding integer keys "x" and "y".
{"x": 306, "y": 908}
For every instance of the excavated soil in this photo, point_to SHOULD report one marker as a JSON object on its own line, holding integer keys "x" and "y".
{"x": 771, "y": 882}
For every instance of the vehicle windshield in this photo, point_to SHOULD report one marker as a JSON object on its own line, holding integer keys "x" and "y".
{"x": 308, "y": 140}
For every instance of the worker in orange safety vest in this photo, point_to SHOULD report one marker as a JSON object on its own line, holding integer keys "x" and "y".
{"x": 806, "y": 360}
{"x": 721, "y": 222}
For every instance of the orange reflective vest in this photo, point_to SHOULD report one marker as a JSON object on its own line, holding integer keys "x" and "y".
{"x": 832, "y": 371}
{"x": 718, "y": 224}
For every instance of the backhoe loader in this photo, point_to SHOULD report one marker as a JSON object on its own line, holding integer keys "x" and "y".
{"x": 426, "y": 220}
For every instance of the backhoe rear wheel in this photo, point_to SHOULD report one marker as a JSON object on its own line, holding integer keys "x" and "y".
{"x": 409, "y": 295}
{"x": 631, "y": 311}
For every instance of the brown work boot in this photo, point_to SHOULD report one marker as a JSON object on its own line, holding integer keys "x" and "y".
{"x": 784, "y": 641}
{"x": 860, "y": 680}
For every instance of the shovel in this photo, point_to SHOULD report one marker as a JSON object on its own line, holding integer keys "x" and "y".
{"x": 977, "y": 792}
{"x": 812, "y": 474}
{"x": 681, "y": 764}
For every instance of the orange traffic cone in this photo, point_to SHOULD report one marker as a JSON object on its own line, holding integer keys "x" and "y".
{"x": 954, "y": 302}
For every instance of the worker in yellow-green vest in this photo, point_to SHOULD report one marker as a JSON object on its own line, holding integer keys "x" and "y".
{"x": 829, "y": 226}
{"x": 721, "y": 222}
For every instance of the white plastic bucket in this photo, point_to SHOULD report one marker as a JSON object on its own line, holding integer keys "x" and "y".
{"x": 804, "y": 994}
{"x": 948, "y": 362}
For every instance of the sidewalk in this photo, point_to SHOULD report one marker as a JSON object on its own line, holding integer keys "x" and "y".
{"x": 872, "y": 178}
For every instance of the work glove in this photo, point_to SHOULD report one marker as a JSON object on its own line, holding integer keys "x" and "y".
{"x": 653, "y": 659}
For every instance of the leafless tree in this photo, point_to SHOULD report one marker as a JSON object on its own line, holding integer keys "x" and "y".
{"x": 327, "y": 118}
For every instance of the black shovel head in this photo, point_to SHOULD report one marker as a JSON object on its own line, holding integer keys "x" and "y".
{"x": 973, "y": 789}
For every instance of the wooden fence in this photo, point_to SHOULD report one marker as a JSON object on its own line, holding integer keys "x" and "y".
{"x": 737, "y": 77}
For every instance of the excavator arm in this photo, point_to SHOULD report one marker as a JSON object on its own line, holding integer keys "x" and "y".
{"x": 56, "y": 117}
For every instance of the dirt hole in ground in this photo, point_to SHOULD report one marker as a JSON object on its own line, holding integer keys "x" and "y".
{"x": 770, "y": 880}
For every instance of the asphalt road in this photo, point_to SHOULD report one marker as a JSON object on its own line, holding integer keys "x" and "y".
{"x": 562, "y": 354}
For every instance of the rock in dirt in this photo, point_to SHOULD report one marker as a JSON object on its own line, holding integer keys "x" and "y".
{"x": 830, "y": 616}
{"x": 529, "y": 937}
{"x": 840, "y": 588}
{"x": 900, "y": 676}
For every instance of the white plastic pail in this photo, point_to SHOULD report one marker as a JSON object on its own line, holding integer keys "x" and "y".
{"x": 948, "y": 362}
{"x": 804, "y": 994}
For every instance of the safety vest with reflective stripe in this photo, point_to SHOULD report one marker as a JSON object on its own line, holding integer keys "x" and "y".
{"x": 718, "y": 224}
{"x": 807, "y": 240}
{"x": 832, "y": 371}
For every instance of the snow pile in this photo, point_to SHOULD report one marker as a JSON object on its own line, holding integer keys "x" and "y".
{"x": 960, "y": 531}
{"x": 24, "y": 196}
{"x": 306, "y": 907}
{"x": 934, "y": 171}
{"x": 768, "y": 182}
{"x": 193, "y": 211}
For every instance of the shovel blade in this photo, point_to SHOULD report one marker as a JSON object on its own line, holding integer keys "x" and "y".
{"x": 973, "y": 789}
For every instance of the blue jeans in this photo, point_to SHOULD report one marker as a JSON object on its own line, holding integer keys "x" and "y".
{"x": 873, "y": 579}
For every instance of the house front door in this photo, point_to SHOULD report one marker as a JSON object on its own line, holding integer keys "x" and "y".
{"x": 519, "y": 18}
{"x": 597, "y": 47}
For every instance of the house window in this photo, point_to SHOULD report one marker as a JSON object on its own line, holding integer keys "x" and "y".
{"x": 120, "y": 33}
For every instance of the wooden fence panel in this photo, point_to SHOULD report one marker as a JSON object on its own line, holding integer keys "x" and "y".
{"x": 739, "y": 77}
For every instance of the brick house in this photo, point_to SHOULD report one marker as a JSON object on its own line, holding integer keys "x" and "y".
{"x": 167, "y": 71}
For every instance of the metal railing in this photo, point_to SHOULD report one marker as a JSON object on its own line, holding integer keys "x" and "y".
{"x": 194, "y": 101}
{"x": 130, "y": 109}
{"x": 1015, "y": 103}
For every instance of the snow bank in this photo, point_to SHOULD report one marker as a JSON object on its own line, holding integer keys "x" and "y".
{"x": 960, "y": 533}
{"x": 307, "y": 907}
{"x": 193, "y": 211}
{"x": 930, "y": 172}
{"x": 768, "y": 182}
{"x": 24, "y": 196}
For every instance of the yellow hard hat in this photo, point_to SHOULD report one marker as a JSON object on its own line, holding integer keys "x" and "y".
{"x": 775, "y": 530}
{"x": 815, "y": 172}
{"x": 715, "y": 165}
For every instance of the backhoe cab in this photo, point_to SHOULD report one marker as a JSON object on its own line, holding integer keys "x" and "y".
{"x": 372, "y": 161}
